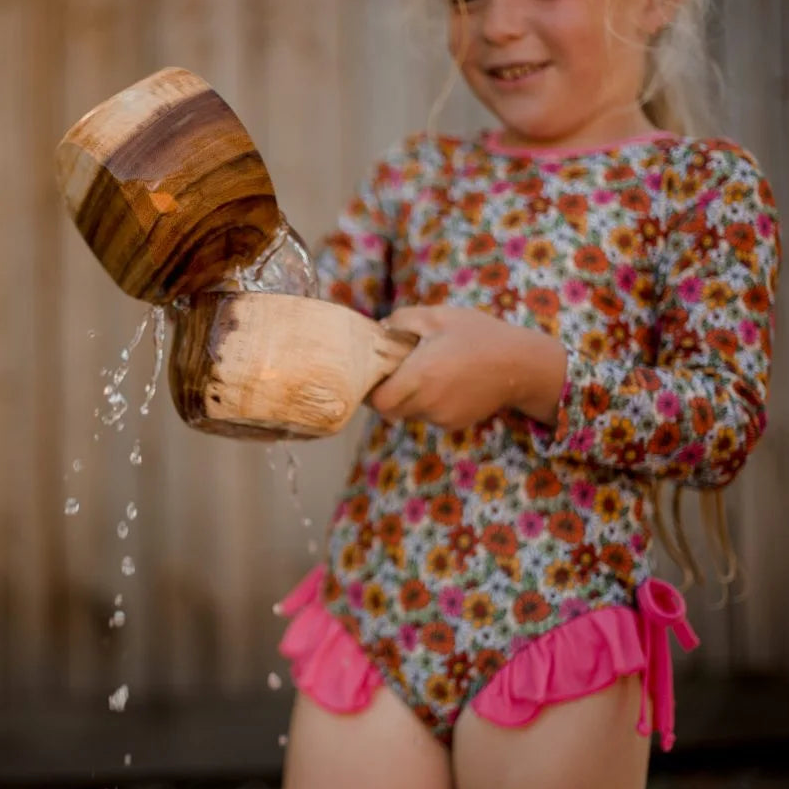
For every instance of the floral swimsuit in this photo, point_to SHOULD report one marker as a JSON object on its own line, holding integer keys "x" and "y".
{"x": 507, "y": 565}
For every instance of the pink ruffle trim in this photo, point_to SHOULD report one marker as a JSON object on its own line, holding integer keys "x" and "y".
{"x": 580, "y": 657}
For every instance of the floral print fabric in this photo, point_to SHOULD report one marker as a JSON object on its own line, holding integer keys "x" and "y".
{"x": 655, "y": 263}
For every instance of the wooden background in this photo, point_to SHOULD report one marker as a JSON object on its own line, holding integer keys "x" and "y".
{"x": 323, "y": 86}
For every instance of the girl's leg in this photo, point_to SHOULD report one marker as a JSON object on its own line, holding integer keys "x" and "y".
{"x": 589, "y": 743}
{"x": 384, "y": 746}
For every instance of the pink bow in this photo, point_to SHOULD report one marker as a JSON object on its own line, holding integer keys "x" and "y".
{"x": 662, "y": 607}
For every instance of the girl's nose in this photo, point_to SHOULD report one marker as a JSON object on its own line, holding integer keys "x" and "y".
{"x": 503, "y": 21}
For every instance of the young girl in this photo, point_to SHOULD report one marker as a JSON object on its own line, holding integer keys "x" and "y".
{"x": 594, "y": 291}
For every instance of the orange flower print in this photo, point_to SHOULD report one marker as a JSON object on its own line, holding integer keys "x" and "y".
{"x": 539, "y": 252}
{"x": 702, "y": 415}
{"x": 388, "y": 476}
{"x": 489, "y": 661}
{"x": 543, "y": 484}
{"x": 439, "y": 637}
{"x": 499, "y": 539}
{"x": 439, "y": 689}
{"x": 494, "y": 275}
{"x": 478, "y": 609}
{"x": 607, "y": 504}
{"x": 490, "y": 483}
{"x": 585, "y": 560}
{"x": 757, "y": 299}
{"x": 385, "y": 650}
{"x": 717, "y": 294}
{"x": 510, "y": 566}
{"x": 414, "y": 595}
{"x": 543, "y": 302}
{"x": 436, "y": 294}
{"x": 591, "y": 259}
{"x": 607, "y": 302}
{"x": 351, "y": 557}
{"x": 530, "y": 607}
{"x": 506, "y": 300}
{"x": 595, "y": 401}
{"x": 724, "y": 444}
{"x": 390, "y": 528}
{"x": 341, "y": 293}
{"x": 375, "y": 599}
{"x": 566, "y": 526}
{"x": 447, "y": 509}
{"x": 463, "y": 540}
{"x": 572, "y": 204}
{"x": 741, "y": 236}
{"x": 513, "y": 220}
{"x": 530, "y": 187}
{"x": 618, "y": 558}
{"x": 622, "y": 172}
{"x": 619, "y": 431}
{"x": 723, "y": 341}
{"x": 664, "y": 440}
{"x": 635, "y": 199}
{"x": 439, "y": 252}
{"x": 429, "y": 468}
{"x": 593, "y": 344}
{"x": 481, "y": 245}
{"x": 560, "y": 575}
{"x": 439, "y": 562}
{"x": 457, "y": 666}
{"x": 625, "y": 240}
{"x": 358, "y": 506}
{"x": 331, "y": 588}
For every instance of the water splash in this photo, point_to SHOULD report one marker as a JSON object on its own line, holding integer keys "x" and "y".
{"x": 119, "y": 600}
{"x": 127, "y": 566}
{"x": 119, "y": 699}
{"x": 118, "y": 619}
{"x": 131, "y": 510}
{"x": 159, "y": 332}
{"x": 123, "y": 530}
{"x": 135, "y": 458}
{"x": 72, "y": 506}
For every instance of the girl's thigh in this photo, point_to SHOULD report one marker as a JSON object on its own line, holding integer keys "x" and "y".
{"x": 588, "y": 743}
{"x": 384, "y": 746}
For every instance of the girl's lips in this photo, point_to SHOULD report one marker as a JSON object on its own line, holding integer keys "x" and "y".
{"x": 516, "y": 74}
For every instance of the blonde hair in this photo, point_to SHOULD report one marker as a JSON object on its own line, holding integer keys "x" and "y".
{"x": 681, "y": 93}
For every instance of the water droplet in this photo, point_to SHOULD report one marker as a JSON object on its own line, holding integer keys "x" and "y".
{"x": 96, "y": 413}
{"x": 125, "y": 355}
{"x": 127, "y": 566}
{"x": 95, "y": 436}
{"x": 136, "y": 455}
{"x": 72, "y": 506}
{"x": 118, "y": 619}
{"x": 307, "y": 523}
{"x": 277, "y": 609}
{"x": 119, "y": 599}
{"x": 120, "y": 427}
{"x": 282, "y": 740}
{"x": 145, "y": 410}
{"x": 108, "y": 390}
{"x": 123, "y": 530}
{"x": 91, "y": 334}
{"x": 127, "y": 760}
{"x": 131, "y": 510}
{"x": 274, "y": 681}
{"x": 312, "y": 546}
{"x": 119, "y": 698}
{"x": 77, "y": 466}
{"x": 104, "y": 372}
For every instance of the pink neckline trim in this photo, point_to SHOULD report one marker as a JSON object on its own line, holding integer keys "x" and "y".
{"x": 492, "y": 142}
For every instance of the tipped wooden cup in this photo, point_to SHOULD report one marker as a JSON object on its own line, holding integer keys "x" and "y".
{"x": 167, "y": 188}
{"x": 272, "y": 366}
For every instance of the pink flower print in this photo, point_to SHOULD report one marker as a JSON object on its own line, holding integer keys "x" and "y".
{"x": 356, "y": 594}
{"x": 531, "y": 524}
{"x": 749, "y": 332}
{"x": 708, "y": 198}
{"x": 625, "y": 277}
{"x": 515, "y": 247}
{"x": 551, "y": 168}
{"x": 450, "y": 601}
{"x": 396, "y": 176}
{"x": 463, "y": 276}
{"x": 638, "y": 544}
{"x": 409, "y": 637}
{"x": 423, "y": 255}
{"x": 582, "y": 494}
{"x": 582, "y": 440}
{"x": 500, "y": 187}
{"x": 764, "y": 226}
{"x": 668, "y": 405}
{"x": 414, "y": 510}
{"x": 372, "y": 474}
{"x": 690, "y": 289}
{"x": 654, "y": 181}
{"x": 575, "y": 291}
{"x": 573, "y": 607}
{"x": 692, "y": 454}
{"x": 603, "y": 196}
{"x": 465, "y": 474}
{"x": 372, "y": 243}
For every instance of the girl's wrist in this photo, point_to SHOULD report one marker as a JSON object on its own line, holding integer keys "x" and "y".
{"x": 537, "y": 374}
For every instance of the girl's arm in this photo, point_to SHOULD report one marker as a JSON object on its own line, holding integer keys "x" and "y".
{"x": 698, "y": 412}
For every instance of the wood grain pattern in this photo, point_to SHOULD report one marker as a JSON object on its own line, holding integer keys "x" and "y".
{"x": 257, "y": 365}
{"x": 167, "y": 187}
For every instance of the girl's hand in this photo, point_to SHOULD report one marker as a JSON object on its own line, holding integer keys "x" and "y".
{"x": 468, "y": 366}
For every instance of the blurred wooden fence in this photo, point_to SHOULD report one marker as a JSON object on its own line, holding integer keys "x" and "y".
{"x": 323, "y": 85}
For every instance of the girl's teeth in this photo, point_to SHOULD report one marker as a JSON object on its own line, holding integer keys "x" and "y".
{"x": 515, "y": 72}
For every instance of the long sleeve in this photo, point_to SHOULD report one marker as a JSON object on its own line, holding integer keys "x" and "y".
{"x": 698, "y": 411}
{"x": 355, "y": 261}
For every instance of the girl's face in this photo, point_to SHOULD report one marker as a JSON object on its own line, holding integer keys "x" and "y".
{"x": 558, "y": 71}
